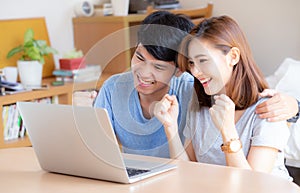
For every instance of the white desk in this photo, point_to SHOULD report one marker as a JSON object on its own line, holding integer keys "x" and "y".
{"x": 20, "y": 173}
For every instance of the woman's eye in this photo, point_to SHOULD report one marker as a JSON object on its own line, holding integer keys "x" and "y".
{"x": 191, "y": 63}
{"x": 202, "y": 60}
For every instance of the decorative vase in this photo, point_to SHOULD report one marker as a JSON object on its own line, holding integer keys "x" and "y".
{"x": 30, "y": 73}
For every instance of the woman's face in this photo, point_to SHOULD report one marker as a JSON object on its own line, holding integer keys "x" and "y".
{"x": 210, "y": 66}
{"x": 150, "y": 75}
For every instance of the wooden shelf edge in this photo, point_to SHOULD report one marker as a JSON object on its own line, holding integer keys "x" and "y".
{"x": 64, "y": 93}
{"x": 21, "y": 142}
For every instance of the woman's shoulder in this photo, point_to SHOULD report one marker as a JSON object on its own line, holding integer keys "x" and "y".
{"x": 261, "y": 100}
{"x": 252, "y": 108}
{"x": 258, "y": 122}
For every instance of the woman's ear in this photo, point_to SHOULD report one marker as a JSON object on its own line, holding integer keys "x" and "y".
{"x": 178, "y": 72}
{"x": 234, "y": 55}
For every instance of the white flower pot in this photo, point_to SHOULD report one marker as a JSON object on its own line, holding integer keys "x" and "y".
{"x": 30, "y": 73}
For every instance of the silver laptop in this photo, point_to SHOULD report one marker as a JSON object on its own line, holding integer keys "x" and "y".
{"x": 80, "y": 141}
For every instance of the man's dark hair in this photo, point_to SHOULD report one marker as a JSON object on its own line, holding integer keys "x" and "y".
{"x": 162, "y": 32}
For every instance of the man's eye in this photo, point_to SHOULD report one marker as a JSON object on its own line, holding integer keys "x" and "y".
{"x": 158, "y": 67}
{"x": 139, "y": 57}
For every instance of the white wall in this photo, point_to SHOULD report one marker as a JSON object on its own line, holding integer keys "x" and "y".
{"x": 272, "y": 26}
{"x": 58, "y": 14}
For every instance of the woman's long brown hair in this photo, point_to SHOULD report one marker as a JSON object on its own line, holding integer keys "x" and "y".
{"x": 246, "y": 81}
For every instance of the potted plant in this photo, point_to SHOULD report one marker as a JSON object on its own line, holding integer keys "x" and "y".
{"x": 30, "y": 64}
{"x": 72, "y": 60}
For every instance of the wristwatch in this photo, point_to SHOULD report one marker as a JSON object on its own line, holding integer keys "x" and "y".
{"x": 232, "y": 146}
{"x": 295, "y": 118}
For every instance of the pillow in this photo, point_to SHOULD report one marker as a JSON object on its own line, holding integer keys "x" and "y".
{"x": 287, "y": 78}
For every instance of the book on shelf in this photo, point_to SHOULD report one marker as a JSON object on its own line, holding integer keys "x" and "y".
{"x": 89, "y": 73}
{"x": 12, "y": 120}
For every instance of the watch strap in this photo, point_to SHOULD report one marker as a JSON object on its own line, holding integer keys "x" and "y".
{"x": 295, "y": 118}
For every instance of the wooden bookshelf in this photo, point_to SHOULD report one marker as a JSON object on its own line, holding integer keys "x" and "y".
{"x": 63, "y": 92}
{"x": 110, "y": 40}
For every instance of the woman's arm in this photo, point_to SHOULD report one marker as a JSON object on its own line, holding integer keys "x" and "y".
{"x": 259, "y": 159}
{"x": 224, "y": 117}
{"x": 262, "y": 158}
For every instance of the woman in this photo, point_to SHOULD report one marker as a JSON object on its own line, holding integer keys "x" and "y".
{"x": 222, "y": 126}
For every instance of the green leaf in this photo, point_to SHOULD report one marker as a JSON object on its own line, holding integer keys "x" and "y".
{"x": 29, "y": 44}
{"x": 49, "y": 50}
{"x": 34, "y": 53}
{"x": 40, "y": 43}
{"x": 32, "y": 49}
{"x": 28, "y": 36}
{"x": 22, "y": 58}
{"x": 73, "y": 54}
{"x": 42, "y": 60}
{"x": 14, "y": 51}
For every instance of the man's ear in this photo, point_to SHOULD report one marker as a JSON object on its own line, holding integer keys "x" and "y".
{"x": 234, "y": 55}
{"x": 178, "y": 72}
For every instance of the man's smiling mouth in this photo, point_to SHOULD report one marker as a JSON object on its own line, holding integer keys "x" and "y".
{"x": 145, "y": 82}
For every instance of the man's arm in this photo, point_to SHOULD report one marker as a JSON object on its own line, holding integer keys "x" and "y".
{"x": 279, "y": 107}
{"x": 84, "y": 98}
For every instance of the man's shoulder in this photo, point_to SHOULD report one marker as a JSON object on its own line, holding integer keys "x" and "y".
{"x": 185, "y": 77}
{"x": 185, "y": 80}
{"x": 119, "y": 79}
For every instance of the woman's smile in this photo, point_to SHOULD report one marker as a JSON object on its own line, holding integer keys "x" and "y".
{"x": 205, "y": 81}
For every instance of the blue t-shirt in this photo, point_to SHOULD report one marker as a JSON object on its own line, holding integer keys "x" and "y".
{"x": 137, "y": 134}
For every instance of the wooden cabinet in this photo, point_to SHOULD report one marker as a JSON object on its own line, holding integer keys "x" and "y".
{"x": 107, "y": 40}
{"x": 64, "y": 94}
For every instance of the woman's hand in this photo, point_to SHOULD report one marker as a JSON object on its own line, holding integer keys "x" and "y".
{"x": 166, "y": 111}
{"x": 278, "y": 108}
{"x": 222, "y": 114}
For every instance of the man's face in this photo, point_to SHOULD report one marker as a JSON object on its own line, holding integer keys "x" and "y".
{"x": 150, "y": 75}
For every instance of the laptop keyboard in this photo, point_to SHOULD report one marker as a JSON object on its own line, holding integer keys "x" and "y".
{"x": 134, "y": 171}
